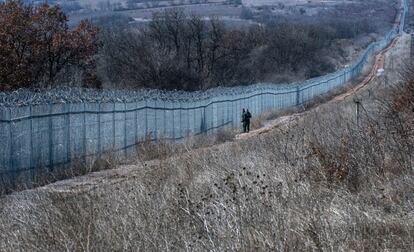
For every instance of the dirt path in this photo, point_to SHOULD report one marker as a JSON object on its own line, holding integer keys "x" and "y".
{"x": 378, "y": 64}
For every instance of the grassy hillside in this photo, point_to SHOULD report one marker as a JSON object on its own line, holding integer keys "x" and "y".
{"x": 319, "y": 182}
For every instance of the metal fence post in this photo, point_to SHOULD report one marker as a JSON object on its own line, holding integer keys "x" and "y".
{"x": 84, "y": 132}
{"x": 223, "y": 112}
{"x": 297, "y": 96}
{"x": 232, "y": 113}
{"x": 11, "y": 163}
{"x": 125, "y": 130}
{"x": 204, "y": 127}
{"x": 195, "y": 119}
{"x": 164, "y": 121}
{"x": 31, "y": 137}
{"x": 136, "y": 123}
{"x": 187, "y": 132}
{"x": 146, "y": 119}
{"x": 173, "y": 122}
{"x": 50, "y": 138}
{"x": 155, "y": 121}
{"x": 99, "y": 129}
{"x": 68, "y": 154}
{"x": 229, "y": 108}
{"x": 180, "y": 125}
{"x": 113, "y": 127}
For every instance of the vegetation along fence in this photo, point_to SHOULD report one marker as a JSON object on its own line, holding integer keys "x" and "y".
{"x": 46, "y": 136}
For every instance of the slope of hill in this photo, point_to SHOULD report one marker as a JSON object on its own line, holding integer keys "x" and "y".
{"x": 322, "y": 183}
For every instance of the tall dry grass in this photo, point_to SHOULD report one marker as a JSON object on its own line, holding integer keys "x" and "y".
{"x": 323, "y": 183}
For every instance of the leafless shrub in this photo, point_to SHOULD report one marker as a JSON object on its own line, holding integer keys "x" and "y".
{"x": 224, "y": 135}
{"x": 258, "y": 121}
{"x": 149, "y": 149}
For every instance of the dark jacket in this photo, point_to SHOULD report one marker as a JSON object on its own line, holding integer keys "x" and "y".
{"x": 243, "y": 117}
{"x": 246, "y": 117}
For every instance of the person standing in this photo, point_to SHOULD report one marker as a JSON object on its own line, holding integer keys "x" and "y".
{"x": 243, "y": 120}
{"x": 248, "y": 116}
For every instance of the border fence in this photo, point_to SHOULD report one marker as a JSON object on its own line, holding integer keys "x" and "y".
{"x": 35, "y": 137}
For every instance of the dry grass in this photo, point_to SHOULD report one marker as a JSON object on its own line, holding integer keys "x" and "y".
{"x": 41, "y": 176}
{"x": 322, "y": 184}
{"x": 145, "y": 150}
{"x": 162, "y": 149}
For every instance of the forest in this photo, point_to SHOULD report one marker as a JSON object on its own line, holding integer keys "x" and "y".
{"x": 174, "y": 51}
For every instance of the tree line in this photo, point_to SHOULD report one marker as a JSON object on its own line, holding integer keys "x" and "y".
{"x": 179, "y": 51}
{"x": 173, "y": 51}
